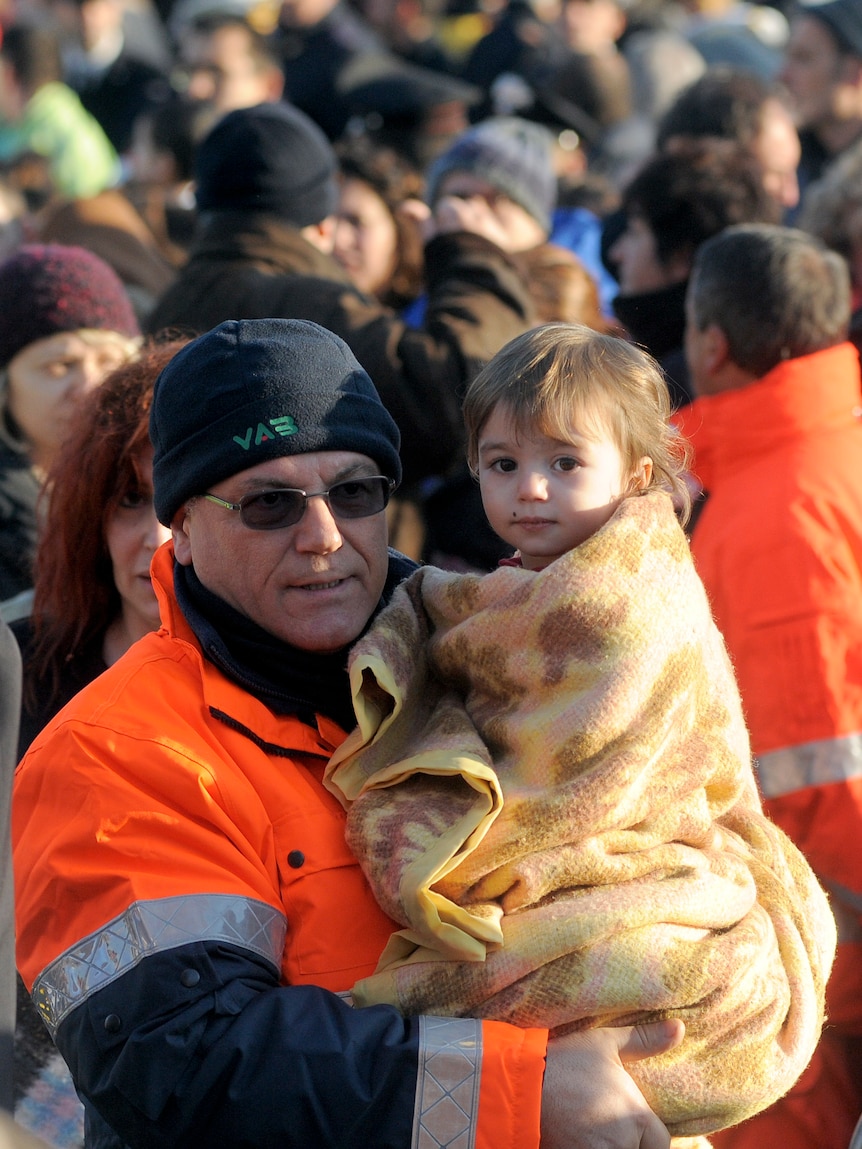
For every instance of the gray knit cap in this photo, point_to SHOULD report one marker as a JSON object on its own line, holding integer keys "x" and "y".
{"x": 513, "y": 155}
{"x": 257, "y": 389}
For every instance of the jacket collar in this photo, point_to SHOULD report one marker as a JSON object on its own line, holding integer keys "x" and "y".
{"x": 225, "y": 699}
{"x": 816, "y": 392}
{"x": 242, "y": 705}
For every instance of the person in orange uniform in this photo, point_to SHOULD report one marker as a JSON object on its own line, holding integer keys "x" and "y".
{"x": 777, "y": 436}
{"x": 189, "y": 915}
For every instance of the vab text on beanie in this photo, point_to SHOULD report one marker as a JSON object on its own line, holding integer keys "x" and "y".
{"x": 271, "y": 158}
{"x": 258, "y": 389}
{"x": 513, "y": 155}
{"x": 49, "y": 288}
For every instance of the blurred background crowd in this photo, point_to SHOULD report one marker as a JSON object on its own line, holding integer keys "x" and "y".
{"x": 624, "y": 132}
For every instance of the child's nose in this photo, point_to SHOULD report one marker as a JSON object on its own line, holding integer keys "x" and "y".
{"x": 533, "y": 485}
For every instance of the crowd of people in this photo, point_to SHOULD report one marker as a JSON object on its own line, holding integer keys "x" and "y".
{"x": 259, "y": 262}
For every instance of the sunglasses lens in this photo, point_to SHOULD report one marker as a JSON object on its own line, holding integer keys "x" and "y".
{"x": 352, "y": 499}
{"x": 271, "y": 510}
{"x": 357, "y": 498}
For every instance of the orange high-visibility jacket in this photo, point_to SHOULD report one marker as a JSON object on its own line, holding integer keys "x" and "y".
{"x": 779, "y": 548}
{"x": 174, "y": 847}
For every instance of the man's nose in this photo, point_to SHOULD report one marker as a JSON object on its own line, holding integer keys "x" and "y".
{"x": 317, "y": 531}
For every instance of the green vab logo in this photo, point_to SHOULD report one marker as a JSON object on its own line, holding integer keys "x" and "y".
{"x": 281, "y": 425}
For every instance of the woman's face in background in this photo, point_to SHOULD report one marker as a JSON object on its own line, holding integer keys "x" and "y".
{"x": 48, "y": 377}
{"x": 366, "y": 237}
{"x": 132, "y": 536}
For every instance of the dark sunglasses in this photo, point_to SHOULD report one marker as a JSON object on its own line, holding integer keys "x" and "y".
{"x": 285, "y": 506}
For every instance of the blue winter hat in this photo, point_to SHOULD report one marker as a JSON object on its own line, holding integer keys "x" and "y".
{"x": 513, "y": 155}
{"x": 258, "y": 389}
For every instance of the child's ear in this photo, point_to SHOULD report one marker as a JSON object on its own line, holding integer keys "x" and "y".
{"x": 642, "y": 474}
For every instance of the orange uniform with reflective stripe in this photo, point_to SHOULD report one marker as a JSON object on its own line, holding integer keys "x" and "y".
{"x": 164, "y": 779}
{"x": 779, "y": 548}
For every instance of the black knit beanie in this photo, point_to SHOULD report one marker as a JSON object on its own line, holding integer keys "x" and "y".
{"x": 257, "y": 389}
{"x": 49, "y": 288}
{"x": 271, "y": 158}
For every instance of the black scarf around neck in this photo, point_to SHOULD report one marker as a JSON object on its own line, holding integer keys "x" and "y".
{"x": 286, "y": 679}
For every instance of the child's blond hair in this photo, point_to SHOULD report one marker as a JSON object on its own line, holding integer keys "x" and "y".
{"x": 563, "y": 374}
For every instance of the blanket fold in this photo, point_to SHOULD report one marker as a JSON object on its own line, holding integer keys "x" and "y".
{"x": 550, "y": 788}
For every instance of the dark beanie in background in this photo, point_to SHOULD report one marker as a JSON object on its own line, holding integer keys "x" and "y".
{"x": 49, "y": 288}
{"x": 513, "y": 155}
{"x": 257, "y": 389}
{"x": 270, "y": 158}
{"x": 843, "y": 18}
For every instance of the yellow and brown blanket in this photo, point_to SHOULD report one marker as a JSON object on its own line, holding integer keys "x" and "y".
{"x": 550, "y": 786}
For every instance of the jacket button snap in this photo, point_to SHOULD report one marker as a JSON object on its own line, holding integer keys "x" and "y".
{"x": 190, "y": 977}
{"x": 113, "y": 1024}
{"x": 295, "y": 859}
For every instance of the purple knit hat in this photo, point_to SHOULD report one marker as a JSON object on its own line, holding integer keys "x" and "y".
{"x": 47, "y": 288}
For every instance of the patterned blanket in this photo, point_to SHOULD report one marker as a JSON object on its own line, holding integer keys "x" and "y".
{"x": 550, "y": 787}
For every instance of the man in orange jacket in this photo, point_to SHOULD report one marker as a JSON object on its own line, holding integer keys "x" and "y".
{"x": 777, "y": 440}
{"x": 189, "y": 915}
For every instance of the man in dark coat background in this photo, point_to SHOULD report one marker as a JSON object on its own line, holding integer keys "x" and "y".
{"x": 267, "y": 193}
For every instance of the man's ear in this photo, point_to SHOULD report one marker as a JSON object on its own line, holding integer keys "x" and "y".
{"x": 851, "y": 70}
{"x": 715, "y": 349}
{"x": 180, "y": 533}
{"x": 321, "y": 235}
{"x": 677, "y": 267}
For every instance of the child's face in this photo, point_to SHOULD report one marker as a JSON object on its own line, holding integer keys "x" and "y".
{"x": 545, "y": 496}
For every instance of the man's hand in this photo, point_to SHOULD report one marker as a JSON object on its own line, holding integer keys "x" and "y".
{"x": 588, "y": 1099}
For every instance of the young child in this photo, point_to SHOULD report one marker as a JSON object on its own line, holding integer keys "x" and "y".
{"x": 550, "y": 784}
{"x": 554, "y": 460}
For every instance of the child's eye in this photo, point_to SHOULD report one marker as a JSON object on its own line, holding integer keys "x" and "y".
{"x": 566, "y": 463}
{"x": 504, "y": 465}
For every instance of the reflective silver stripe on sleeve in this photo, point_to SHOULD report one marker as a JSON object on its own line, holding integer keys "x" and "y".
{"x": 447, "y": 1089}
{"x": 147, "y": 928}
{"x": 809, "y": 764}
